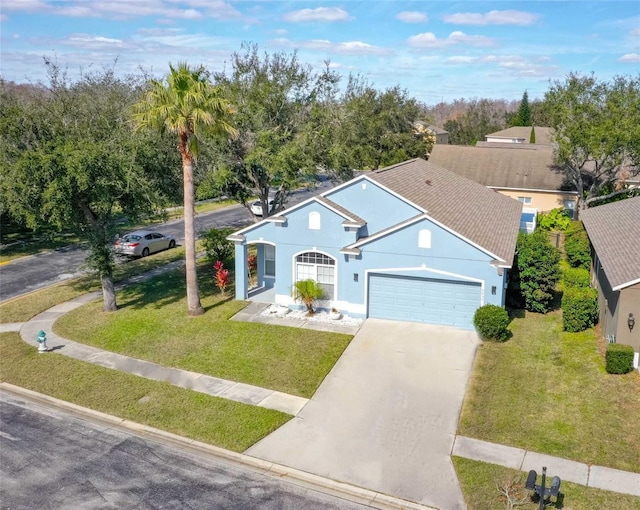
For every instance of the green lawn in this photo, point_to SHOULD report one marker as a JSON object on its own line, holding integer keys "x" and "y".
{"x": 152, "y": 324}
{"x": 224, "y": 423}
{"x": 547, "y": 391}
{"x": 480, "y": 481}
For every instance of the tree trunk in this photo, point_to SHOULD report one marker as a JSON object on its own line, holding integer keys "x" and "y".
{"x": 194, "y": 307}
{"x": 108, "y": 293}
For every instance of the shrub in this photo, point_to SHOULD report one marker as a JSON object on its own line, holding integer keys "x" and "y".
{"x": 491, "y": 321}
{"x": 576, "y": 277}
{"x": 555, "y": 219}
{"x": 307, "y": 291}
{"x": 217, "y": 247}
{"x": 535, "y": 273}
{"x": 576, "y": 246}
{"x": 619, "y": 358}
{"x": 579, "y": 308}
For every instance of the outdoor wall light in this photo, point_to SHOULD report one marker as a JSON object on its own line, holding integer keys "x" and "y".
{"x": 631, "y": 322}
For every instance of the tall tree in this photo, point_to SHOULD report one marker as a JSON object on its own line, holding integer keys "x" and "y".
{"x": 483, "y": 116}
{"x": 381, "y": 127}
{"x": 597, "y": 132}
{"x": 70, "y": 161}
{"x": 523, "y": 117}
{"x": 273, "y": 94}
{"x": 189, "y": 106}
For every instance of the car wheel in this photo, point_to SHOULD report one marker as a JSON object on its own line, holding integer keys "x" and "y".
{"x": 172, "y": 244}
{"x": 145, "y": 252}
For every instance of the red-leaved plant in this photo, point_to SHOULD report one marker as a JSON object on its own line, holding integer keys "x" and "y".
{"x": 222, "y": 276}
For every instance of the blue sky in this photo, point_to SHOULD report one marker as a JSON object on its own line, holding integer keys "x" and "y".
{"x": 435, "y": 50}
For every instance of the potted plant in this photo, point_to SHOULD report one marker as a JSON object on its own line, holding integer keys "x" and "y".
{"x": 335, "y": 314}
{"x": 307, "y": 291}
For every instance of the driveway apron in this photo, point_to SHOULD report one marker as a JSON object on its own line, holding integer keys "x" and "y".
{"x": 385, "y": 417}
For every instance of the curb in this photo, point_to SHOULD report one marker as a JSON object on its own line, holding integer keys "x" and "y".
{"x": 310, "y": 481}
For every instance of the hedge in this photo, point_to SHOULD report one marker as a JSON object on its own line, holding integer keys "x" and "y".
{"x": 576, "y": 246}
{"x": 576, "y": 277}
{"x": 579, "y": 308}
{"x": 491, "y": 321}
{"x": 619, "y": 358}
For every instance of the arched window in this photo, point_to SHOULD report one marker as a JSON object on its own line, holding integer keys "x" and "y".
{"x": 318, "y": 267}
{"x": 424, "y": 238}
{"x": 314, "y": 220}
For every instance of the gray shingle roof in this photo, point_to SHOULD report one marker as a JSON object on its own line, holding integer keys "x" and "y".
{"x": 543, "y": 134}
{"x": 483, "y": 216}
{"x": 348, "y": 215}
{"x": 614, "y": 231}
{"x": 501, "y": 167}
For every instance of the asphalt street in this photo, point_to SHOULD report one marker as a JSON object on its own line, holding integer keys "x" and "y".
{"x": 39, "y": 271}
{"x": 49, "y": 459}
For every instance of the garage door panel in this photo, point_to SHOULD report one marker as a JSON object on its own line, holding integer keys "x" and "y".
{"x": 428, "y": 300}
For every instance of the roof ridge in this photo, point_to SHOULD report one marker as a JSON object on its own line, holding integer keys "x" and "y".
{"x": 397, "y": 165}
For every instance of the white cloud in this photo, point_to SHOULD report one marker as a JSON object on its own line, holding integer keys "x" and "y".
{"x": 513, "y": 65}
{"x": 635, "y": 33}
{"x": 519, "y": 18}
{"x": 630, "y": 57}
{"x": 412, "y": 17}
{"x": 3, "y": 17}
{"x": 128, "y": 9}
{"x": 280, "y": 31}
{"x": 329, "y": 14}
{"x": 429, "y": 40}
{"x": 342, "y": 48}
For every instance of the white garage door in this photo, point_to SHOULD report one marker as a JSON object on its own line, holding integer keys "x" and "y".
{"x": 429, "y": 300}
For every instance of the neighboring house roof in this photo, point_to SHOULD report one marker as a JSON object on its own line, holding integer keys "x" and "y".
{"x": 515, "y": 146}
{"x": 543, "y": 134}
{"x": 484, "y": 217}
{"x": 614, "y": 231}
{"x": 501, "y": 167}
{"x": 437, "y": 130}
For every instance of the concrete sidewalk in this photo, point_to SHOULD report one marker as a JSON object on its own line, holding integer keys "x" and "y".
{"x": 597, "y": 477}
{"x": 222, "y": 388}
{"x": 515, "y": 458}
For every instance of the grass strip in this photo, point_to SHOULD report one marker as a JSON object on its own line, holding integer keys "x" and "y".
{"x": 480, "y": 484}
{"x": 26, "y": 307}
{"x": 212, "y": 420}
{"x": 546, "y": 390}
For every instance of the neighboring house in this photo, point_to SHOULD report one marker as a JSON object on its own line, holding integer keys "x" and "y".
{"x": 521, "y": 135}
{"x": 517, "y": 171}
{"x": 410, "y": 242}
{"x": 614, "y": 231}
{"x": 441, "y": 135}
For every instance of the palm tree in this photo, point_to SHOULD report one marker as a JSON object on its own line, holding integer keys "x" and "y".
{"x": 186, "y": 104}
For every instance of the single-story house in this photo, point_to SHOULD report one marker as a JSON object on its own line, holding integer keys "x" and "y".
{"x": 614, "y": 232}
{"x": 412, "y": 241}
{"x": 523, "y": 172}
{"x": 521, "y": 135}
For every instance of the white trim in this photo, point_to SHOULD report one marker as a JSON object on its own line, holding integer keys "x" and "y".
{"x": 625, "y": 285}
{"x": 314, "y": 250}
{"x": 415, "y": 219}
{"x": 260, "y": 241}
{"x": 385, "y": 271}
{"x": 555, "y": 191}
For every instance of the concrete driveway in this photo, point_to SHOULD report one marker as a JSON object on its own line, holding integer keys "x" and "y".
{"x": 385, "y": 417}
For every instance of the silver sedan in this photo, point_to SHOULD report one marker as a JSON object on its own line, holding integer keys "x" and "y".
{"x": 142, "y": 243}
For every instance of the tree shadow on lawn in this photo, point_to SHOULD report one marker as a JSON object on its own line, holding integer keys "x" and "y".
{"x": 170, "y": 288}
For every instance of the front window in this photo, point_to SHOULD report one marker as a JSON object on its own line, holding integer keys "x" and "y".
{"x": 525, "y": 200}
{"x": 318, "y": 267}
{"x": 269, "y": 260}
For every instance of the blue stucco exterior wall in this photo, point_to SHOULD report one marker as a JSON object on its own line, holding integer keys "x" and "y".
{"x": 378, "y": 207}
{"x": 448, "y": 257}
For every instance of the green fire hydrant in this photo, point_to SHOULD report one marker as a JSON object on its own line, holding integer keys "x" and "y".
{"x": 42, "y": 341}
